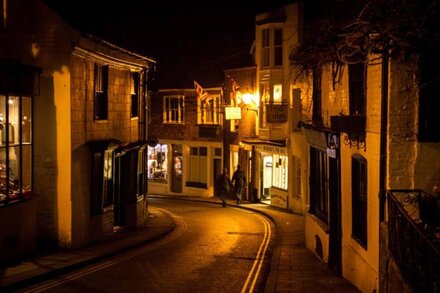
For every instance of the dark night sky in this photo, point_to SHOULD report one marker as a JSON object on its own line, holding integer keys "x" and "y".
{"x": 192, "y": 39}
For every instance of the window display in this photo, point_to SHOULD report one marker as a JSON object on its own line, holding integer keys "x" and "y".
{"x": 279, "y": 171}
{"x": 158, "y": 163}
{"x": 15, "y": 147}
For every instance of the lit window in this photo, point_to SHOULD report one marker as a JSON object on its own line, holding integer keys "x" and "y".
{"x": 265, "y": 99}
{"x": 279, "y": 171}
{"x": 209, "y": 112}
{"x": 15, "y": 147}
{"x": 107, "y": 193}
{"x": 277, "y": 93}
{"x": 134, "y": 94}
{"x": 4, "y": 12}
{"x": 158, "y": 163}
{"x": 173, "y": 109}
{"x": 141, "y": 180}
{"x": 101, "y": 92}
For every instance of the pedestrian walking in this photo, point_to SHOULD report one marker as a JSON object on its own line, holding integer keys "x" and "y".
{"x": 239, "y": 182}
{"x": 223, "y": 184}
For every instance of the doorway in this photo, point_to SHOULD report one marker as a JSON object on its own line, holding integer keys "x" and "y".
{"x": 335, "y": 241}
{"x": 177, "y": 159}
{"x": 120, "y": 188}
{"x": 265, "y": 177}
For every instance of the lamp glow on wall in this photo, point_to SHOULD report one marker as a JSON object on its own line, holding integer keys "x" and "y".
{"x": 251, "y": 100}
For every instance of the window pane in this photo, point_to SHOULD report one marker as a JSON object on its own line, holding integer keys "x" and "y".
{"x": 194, "y": 151}
{"x": 3, "y": 172}
{"x": 26, "y": 169}
{"x": 14, "y": 172}
{"x": 278, "y": 37}
{"x": 2, "y": 120}
{"x": 108, "y": 175}
{"x": 26, "y": 119}
{"x": 203, "y": 151}
{"x": 278, "y": 58}
{"x": 14, "y": 108}
{"x": 277, "y": 93}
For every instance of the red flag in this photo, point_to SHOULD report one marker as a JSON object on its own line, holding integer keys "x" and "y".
{"x": 201, "y": 93}
{"x": 235, "y": 86}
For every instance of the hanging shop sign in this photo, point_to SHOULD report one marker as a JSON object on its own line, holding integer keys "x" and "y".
{"x": 276, "y": 113}
{"x": 233, "y": 113}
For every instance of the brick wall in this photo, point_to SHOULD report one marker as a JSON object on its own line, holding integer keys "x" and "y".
{"x": 189, "y": 130}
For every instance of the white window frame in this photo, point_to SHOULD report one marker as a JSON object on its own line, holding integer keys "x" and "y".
{"x": 209, "y": 110}
{"x": 268, "y": 46}
{"x": 174, "y": 113}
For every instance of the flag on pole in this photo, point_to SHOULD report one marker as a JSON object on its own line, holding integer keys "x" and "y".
{"x": 235, "y": 86}
{"x": 202, "y": 94}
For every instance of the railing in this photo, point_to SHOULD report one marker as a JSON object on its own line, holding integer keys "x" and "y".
{"x": 413, "y": 243}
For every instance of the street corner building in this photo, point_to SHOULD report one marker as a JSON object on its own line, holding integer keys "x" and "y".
{"x": 185, "y": 141}
{"x": 73, "y": 133}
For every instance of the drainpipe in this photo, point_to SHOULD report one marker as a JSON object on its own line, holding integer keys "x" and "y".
{"x": 383, "y": 136}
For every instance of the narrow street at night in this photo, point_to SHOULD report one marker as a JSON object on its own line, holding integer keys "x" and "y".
{"x": 274, "y": 146}
{"x": 212, "y": 249}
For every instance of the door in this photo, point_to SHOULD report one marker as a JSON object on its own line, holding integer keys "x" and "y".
{"x": 177, "y": 159}
{"x": 120, "y": 187}
{"x": 217, "y": 171}
{"x": 335, "y": 257}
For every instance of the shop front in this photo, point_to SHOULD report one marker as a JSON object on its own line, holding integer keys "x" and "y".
{"x": 187, "y": 168}
{"x": 270, "y": 172}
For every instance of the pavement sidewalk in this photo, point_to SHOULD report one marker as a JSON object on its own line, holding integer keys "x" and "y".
{"x": 293, "y": 267}
{"x": 43, "y": 267}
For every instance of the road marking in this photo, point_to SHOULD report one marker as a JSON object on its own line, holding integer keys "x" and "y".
{"x": 177, "y": 232}
{"x": 254, "y": 273}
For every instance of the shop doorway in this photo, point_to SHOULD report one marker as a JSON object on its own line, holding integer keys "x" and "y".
{"x": 177, "y": 159}
{"x": 265, "y": 177}
{"x": 120, "y": 187}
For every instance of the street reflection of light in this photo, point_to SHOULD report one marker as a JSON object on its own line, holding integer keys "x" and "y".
{"x": 11, "y": 102}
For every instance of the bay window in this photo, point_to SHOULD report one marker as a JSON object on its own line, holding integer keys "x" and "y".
{"x": 15, "y": 147}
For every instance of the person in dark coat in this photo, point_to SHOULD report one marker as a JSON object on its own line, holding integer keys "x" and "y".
{"x": 223, "y": 185}
{"x": 239, "y": 182}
